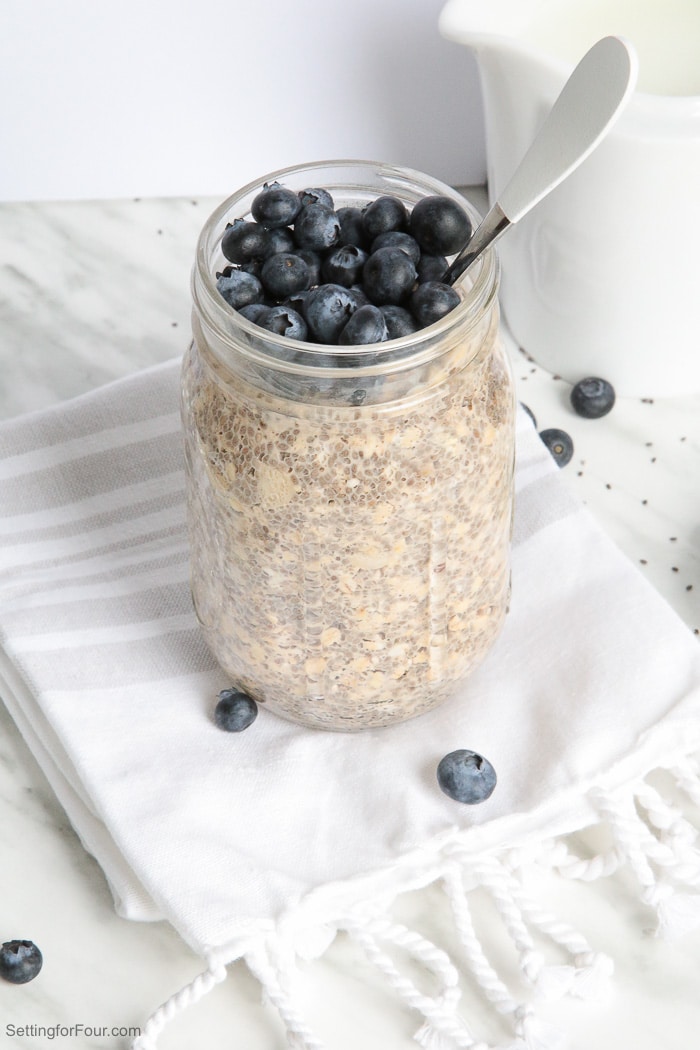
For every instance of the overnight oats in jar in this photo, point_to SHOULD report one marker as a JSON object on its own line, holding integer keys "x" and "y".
{"x": 349, "y": 504}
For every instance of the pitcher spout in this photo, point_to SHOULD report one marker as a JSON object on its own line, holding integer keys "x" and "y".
{"x": 476, "y": 23}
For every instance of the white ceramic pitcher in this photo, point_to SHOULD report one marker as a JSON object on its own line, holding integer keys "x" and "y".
{"x": 603, "y": 277}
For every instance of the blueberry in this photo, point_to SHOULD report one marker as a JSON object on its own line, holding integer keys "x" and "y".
{"x": 283, "y": 320}
{"x": 254, "y": 311}
{"x": 388, "y": 276}
{"x": 297, "y": 301}
{"x": 253, "y": 266}
{"x": 243, "y": 241}
{"x": 327, "y": 310}
{"x": 313, "y": 261}
{"x": 343, "y": 265}
{"x": 398, "y": 239}
{"x": 279, "y": 239}
{"x": 20, "y": 961}
{"x": 367, "y": 325}
{"x": 316, "y": 227}
{"x": 275, "y": 205}
{"x": 466, "y": 776}
{"x": 239, "y": 288}
{"x": 316, "y": 195}
{"x": 440, "y": 225}
{"x": 399, "y": 321}
{"x": 431, "y": 267}
{"x": 529, "y": 412}
{"x": 284, "y": 274}
{"x": 234, "y": 711}
{"x": 351, "y": 228}
{"x": 384, "y": 214}
{"x": 359, "y": 296}
{"x": 559, "y": 444}
{"x": 592, "y": 397}
{"x": 431, "y": 301}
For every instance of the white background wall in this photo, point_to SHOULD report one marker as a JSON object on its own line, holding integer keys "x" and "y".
{"x": 146, "y": 97}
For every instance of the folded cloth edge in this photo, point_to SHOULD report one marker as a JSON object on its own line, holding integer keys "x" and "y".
{"x": 91, "y": 831}
{"x": 653, "y": 839}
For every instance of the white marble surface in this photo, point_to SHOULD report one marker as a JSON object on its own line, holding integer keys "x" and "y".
{"x": 92, "y": 291}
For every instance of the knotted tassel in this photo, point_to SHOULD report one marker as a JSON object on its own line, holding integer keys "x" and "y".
{"x": 592, "y": 974}
{"x": 536, "y": 1033}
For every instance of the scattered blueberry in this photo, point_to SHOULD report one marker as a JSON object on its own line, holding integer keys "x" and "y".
{"x": 440, "y": 225}
{"x": 367, "y": 325}
{"x": 592, "y": 397}
{"x": 529, "y": 412}
{"x": 234, "y": 711}
{"x": 466, "y": 776}
{"x": 384, "y": 214}
{"x": 316, "y": 227}
{"x": 20, "y": 961}
{"x": 431, "y": 301}
{"x": 388, "y": 276}
{"x": 559, "y": 444}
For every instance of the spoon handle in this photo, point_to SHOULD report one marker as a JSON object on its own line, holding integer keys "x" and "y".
{"x": 589, "y": 103}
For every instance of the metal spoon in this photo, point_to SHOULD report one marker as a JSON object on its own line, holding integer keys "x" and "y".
{"x": 590, "y": 102}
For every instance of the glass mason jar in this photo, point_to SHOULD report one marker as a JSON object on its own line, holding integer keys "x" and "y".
{"x": 349, "y": 508}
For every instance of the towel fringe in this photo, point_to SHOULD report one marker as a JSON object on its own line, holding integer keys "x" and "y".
{"x": 443, "y": 1026}
{"x": 654, "y": 838}
{"x": 187, "y": 996}
{"x": 659, "y": 846}
{"x": 267, "y": 962}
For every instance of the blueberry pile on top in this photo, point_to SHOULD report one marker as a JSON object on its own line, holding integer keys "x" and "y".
{"x": 304, "y": 269}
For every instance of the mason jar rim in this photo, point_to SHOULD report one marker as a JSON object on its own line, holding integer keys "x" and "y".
{"x": 477, "y": 289}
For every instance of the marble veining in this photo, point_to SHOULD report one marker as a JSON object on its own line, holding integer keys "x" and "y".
{"x": 90, "y": 291}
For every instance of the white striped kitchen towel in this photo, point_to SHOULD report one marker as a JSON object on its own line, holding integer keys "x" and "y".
{"x": 263, "y": 845}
